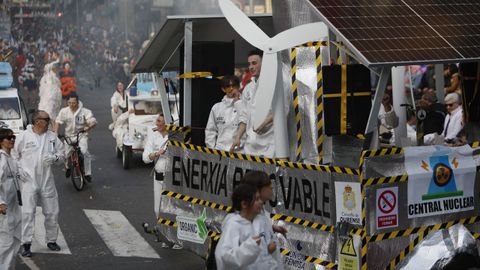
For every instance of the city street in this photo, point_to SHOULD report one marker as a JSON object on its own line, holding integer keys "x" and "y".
{"x": 101, "y": 225}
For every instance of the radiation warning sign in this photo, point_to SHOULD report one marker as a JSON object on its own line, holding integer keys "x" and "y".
{"x": 348, "y": 258}
{"x": 440, "y": 180}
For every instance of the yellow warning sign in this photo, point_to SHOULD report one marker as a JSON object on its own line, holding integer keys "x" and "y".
{"x": 348, "y": 259}
{"x": 348, "y": 248}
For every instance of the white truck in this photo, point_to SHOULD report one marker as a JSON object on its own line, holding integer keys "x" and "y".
{"x": 144, "y": 103}
{"x": 13, "y": 113}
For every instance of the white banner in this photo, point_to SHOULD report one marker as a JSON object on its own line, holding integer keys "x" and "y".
{"x": 192, "y": 229}
{"x": 440, "y": 180}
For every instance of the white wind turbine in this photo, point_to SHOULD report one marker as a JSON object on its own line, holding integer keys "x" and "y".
{"x": 270, "y": 46}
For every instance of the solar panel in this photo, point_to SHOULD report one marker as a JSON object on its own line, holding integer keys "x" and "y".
{"x": 395, "y": 32}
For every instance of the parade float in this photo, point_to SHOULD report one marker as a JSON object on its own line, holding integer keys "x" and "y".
{"x": 347, "y": 204}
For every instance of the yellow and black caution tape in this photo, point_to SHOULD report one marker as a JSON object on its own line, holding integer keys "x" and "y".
{"x": 177, "y": 128}
{"x": 223, "y": 153}
{"x": 410, "y": 231}
{"x": 296, "y": 103}
{"x": 319, "y": 109}
{"x": 198, "y": 74}
{"x": 187, "y": 131}
{"x": 378, "y": 152}
{"x": 194, "y": 200}
{"x": 314, "y": 167}
{"x": 363, "y": 254}
{"x": 187, "y": 136}
{"x": 313, "y": 44}
{"x": 400, "y": 257}
{"x": 214, "y": 235}
{"x": 281, "y": 163}
{"x": 407, "y": 250}
{"x": 311, "y": 259}
{"x": 167, "y": 222}
{"x": 364, "y": 214}
{"x": 303, "y": 222}
{"x": 385, "y": 180}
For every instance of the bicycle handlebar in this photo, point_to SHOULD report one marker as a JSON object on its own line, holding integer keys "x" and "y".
{"x": 68, "y": 139}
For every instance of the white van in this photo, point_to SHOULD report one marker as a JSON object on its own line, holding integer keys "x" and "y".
{"x": 13, "y": 113}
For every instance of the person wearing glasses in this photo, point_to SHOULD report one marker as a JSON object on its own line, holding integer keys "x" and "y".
{"x": 77, "y": 118}
{"x": 222, "y": 121}
{"x": 36, "y": 150}
{"x": 10, "y": 211}
{"x": 454, "y": 119}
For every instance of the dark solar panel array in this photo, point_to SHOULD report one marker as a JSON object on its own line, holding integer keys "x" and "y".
{"x": 406, "y": 31}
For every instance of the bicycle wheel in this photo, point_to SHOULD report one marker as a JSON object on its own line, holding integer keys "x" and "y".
{"x": 77, "y": 175}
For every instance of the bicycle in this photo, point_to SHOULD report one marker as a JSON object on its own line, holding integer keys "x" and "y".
{"x": 75, "y": 162}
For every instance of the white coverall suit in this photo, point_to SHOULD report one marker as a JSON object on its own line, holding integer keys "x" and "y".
{"x": 154, "y": 142}
{"x": 222, "y": 125}
{"x": 11, "y": 223}
{"x": 237, "y": 250}
{"x": 255, "y": 144}
{"x": 36, "y": 154}
{"x": 120, "y": 128}
{"x": 75, "y": 122}
{"x": 119, "y": 100}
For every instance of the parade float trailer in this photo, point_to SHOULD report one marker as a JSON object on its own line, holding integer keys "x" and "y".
{"x": 345, "y": 203}
{"x": 143, "y": 105}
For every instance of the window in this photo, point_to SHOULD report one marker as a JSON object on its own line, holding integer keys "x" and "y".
{"x": 9, "y": 109}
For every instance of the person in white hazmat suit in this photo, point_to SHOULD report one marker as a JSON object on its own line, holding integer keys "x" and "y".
{"x": 270, "y": 258}
{"x": 120, "y": 128}
{"x": 10, "y": 211}
{"x": 241, "y": 245}
{"x": 259, "y": 142}
{"x": 36, "y": 150}
{"x": 155, "y": 151}
{"x": 118, "y": 103}
{"x": 77, "y": 118}
{"x": 50, "y": 92}
{"x": 223, "y": 121}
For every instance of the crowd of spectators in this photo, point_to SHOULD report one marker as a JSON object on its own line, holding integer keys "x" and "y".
{"x": 101, "y": 50}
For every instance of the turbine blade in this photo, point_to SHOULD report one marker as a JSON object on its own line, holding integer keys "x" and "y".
{"x": 297, "y": 36}
{"x": 245, "y": 27}
{"x": 266, "y": 88}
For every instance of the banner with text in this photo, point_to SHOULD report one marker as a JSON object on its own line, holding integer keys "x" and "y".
{"x": 300, "y": 193}
{"x": 440, "y": 180}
